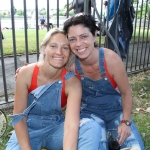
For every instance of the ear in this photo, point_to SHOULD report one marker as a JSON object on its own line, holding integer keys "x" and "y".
{"x": 43, "y": 49}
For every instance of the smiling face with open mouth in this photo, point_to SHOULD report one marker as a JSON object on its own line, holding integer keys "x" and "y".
{"x": 81, "y": 41}
{"x": 57, "y": 51}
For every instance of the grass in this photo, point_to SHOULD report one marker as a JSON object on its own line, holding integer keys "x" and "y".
{"x": 140, "y": 85}
{"x": 20, "y": 40}
{"x": 5, "y": 137}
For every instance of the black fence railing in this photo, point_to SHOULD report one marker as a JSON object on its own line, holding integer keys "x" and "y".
{"x": 22, "y": 35}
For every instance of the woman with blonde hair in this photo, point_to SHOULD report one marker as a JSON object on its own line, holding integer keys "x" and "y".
{"x": 43, "y": 91}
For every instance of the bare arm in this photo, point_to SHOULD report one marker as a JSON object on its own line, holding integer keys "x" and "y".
{"x": 118, "y": 72}
{"x": 20, "y": 104}
{"x": 71, "y": 127}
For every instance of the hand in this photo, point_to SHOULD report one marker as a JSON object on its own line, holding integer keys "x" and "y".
{"x": 17, "y": 71}
{"x": 123, "y": 131}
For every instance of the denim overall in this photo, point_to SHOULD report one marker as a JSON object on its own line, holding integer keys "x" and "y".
{"x": 102, "y": 102}
{"x": 45, "y": 121}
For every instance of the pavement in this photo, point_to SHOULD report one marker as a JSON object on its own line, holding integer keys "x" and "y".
{"x": 10, "y": 68}
{"x": 10, "y": 73}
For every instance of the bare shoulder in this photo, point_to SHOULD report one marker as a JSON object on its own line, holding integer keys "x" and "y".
{"x": 113, "y": 61}
{"x": 25, "y": 74}
{"x": 27, "y": 69}
{"x": 111, "y": 55}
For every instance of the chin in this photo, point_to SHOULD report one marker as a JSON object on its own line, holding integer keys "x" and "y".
{"x": 58, "y": 66}
{"x": 82, "y": 57}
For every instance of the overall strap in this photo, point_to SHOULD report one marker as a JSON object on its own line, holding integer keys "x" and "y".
{"x": 65, "y": 76}
{"x": 103, "y": 68}
{"x": 101, "y": 61}
{"x": 37, "y": 93}
{"x": 77, "y": 66}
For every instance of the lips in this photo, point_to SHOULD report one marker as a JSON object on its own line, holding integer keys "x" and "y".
{"x": 81, "y": 50}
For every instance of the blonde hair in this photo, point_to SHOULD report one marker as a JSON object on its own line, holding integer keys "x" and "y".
{"x": 47, "y": 37}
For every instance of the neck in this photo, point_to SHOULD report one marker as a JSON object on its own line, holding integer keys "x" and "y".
{"x": 50, "y": 72}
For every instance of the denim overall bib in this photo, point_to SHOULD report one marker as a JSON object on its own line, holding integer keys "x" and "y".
{"x": 45, "y": 120}
{"x": 102, "y": 102}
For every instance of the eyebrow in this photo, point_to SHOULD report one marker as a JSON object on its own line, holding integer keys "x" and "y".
{"x": 57, "y": 44}
{"x": 79, "y": 35}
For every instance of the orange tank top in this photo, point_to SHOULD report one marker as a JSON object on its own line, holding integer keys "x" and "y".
{"x": 112, "y": 81}
{"x": 34, "y": 84}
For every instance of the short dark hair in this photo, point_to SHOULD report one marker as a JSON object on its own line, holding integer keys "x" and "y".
{"x": 84, "y": 19}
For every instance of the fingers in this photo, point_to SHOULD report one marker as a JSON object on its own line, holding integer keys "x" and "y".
{"x": 15, "y": 77}
{"x": 123, "y": 131}
{"x": 25, "y": 63}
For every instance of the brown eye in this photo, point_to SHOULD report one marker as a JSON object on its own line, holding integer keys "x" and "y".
{"x": 84, "y": 36}
{"x": 72, "y": 40}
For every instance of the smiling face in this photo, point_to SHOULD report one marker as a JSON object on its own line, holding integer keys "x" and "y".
{"x": 57, "y": 51}
{"x": 81, "y": 41}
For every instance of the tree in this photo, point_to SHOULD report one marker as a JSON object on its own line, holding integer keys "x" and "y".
{"x": 20, "y": 12}
{"x": 144, "y": 9}
{"x": 43, "y": 11}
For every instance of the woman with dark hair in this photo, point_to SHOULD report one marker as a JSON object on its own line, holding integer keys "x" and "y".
{"x": 106, "y": 93}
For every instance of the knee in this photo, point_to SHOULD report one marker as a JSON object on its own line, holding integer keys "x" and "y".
{"x": 92, "y": 135}
{"x": 12, "y": 145}
{"x": 89, "y": 126}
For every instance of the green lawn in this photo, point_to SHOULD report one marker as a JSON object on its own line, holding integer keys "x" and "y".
{"x": 140, "y": 84}
{"x": 20, "y": 40}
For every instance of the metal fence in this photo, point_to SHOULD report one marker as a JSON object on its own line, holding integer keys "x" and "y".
{"x": 136, "y": 60}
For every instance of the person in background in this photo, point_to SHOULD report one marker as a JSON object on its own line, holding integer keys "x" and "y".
{"x": 42, "y": 22}
{"x": 50, "y": 25}
{"x": 80, "y": 7}
{"x": 106, "y": 93}
{"x": 44, "y": 90}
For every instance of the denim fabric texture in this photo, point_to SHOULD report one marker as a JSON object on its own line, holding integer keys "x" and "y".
{"x": 102, "y": 103}
{"x": 45, "y": 120}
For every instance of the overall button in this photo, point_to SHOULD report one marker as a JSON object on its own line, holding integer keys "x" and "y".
{"x": 90, "y": 87}
{"x": 59, "y": 81}
{"x": 82, "y": 78}
{"x": 105, "y": 78}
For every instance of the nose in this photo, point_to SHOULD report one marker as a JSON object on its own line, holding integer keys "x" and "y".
{"x": 78, "y": 42}
{"x": 59, "y": 51}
